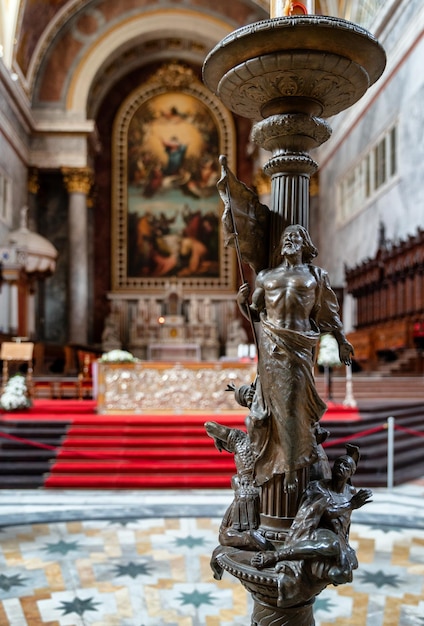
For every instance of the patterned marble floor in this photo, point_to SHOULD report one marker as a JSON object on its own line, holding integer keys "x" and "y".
{"x": 142, "y": 559}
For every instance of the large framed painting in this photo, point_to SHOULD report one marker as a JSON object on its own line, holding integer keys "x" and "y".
{"x": 168, "y": 137}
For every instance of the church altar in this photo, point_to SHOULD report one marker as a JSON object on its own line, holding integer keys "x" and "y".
{"x": 147, "y": 386}
{"x": 174, "y": 351}
{"x": 173, "y": 326}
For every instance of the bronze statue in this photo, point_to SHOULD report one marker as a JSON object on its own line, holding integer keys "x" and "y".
{"x": 282, "y": 452}
{"x": 241, "y": 520}
{"x": 317, "y": 547}
{"x": 272, "y": 72}
{"x": 294, "y": 304}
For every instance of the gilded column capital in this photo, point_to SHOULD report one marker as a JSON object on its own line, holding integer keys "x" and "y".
{"x": 33, "y": 182}
{"x": 262, "y": 183}
{"x": 314, "y": 185}
{"x": 78, "y": 180}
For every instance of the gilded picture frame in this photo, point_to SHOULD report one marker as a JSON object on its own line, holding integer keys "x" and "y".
{"x": 166, "y": 210}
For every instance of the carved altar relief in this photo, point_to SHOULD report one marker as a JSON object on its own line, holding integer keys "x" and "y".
{"x": 146, "y": 387}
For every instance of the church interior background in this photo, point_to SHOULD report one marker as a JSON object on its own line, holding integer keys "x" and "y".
{"x": 110, "y": 237}
{"x": 110, "y": 230}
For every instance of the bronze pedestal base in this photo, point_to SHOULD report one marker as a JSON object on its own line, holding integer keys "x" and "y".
{"x": 283, "y": 598}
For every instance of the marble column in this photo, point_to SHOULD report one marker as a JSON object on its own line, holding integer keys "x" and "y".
{"x": 4, "y": 308}
{"x": 13, "y": 308}
{"x": 35, "y": 303}
{"x": 78, "y": 182}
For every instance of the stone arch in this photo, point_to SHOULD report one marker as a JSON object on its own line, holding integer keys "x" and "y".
{"x": 178, "y": 23}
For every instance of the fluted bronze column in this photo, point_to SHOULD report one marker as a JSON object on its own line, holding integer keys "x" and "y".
{"x": 289, "y": 74}
{"x": 289, "y": 136}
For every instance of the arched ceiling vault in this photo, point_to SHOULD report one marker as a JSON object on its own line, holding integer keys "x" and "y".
{"x": 72, "y": 57}
{"x": 165, "y": 36}
{"x": 129, "y": 58}
{"x": 76, "y": 45}
{"x": 67, "y": 53}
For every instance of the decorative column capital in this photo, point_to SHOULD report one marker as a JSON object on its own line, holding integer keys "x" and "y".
{"x": 262, "y": 183}
{"x": 314, "y": 185}
{"x": 33, "y": 182}
{"x": 78, "y": 180}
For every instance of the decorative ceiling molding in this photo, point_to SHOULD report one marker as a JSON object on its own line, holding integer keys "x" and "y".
{"x": 51, "y": 31}
{"x": 43, "y": 24}
{"x": 148, "y": 52}
{"x": 157, "y": 25}
{"x": 70, "y": 55}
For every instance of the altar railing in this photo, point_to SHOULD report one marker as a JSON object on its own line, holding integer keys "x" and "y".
{"x": 145, "y": 386}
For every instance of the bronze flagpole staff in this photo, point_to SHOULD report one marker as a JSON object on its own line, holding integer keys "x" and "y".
{"x": 223, "y": 163}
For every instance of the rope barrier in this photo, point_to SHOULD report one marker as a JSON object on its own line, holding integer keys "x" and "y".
{"x": 359, "y": 435}
{"x": 104, "y": 456}
{"x": 85, "y": 455}
{"x": 390, "y": 452}
{"x": 389, "y": 425}
{"x": 46, "y": 446}
{"x": 28, "y": 442}
{"x": 410, "y": 431}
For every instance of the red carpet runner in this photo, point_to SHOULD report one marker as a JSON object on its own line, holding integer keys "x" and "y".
{"x": 137, "y": 451}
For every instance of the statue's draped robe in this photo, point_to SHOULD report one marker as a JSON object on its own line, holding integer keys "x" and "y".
{"x": 287, "y": 408}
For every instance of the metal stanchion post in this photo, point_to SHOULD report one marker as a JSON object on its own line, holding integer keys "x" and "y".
{"x": 390, "y": 451}
{"x": 349, "y": 399}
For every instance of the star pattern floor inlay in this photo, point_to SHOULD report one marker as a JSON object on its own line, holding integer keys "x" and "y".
{"x": 154, "y": 571}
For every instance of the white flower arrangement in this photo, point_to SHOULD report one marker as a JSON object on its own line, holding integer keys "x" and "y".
{"x": 118, "y": 356}
{"x": 15, "y": 395}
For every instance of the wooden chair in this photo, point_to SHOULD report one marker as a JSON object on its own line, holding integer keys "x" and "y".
{"x": 18, "y": 353}
{"x": 85, "y": 375}
{"x": 42, "y": 388}
{"x": 82, "y": 385}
